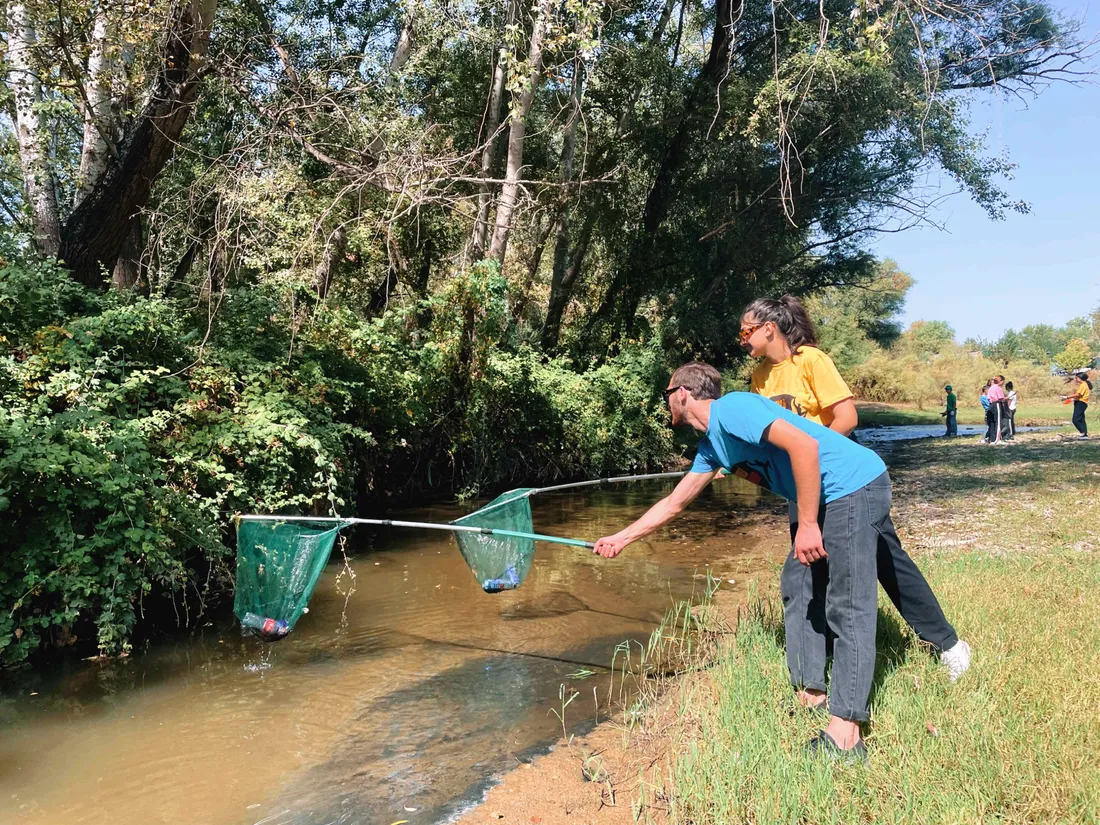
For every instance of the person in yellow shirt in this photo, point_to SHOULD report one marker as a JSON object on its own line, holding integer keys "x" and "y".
{"x": 1080, "y": 399}
{"x": 794, "y": 373}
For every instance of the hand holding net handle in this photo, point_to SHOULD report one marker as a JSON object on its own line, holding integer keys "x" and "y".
{"x": 426, "y": 525}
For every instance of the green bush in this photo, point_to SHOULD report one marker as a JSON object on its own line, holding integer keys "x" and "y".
{"x": 132, "y": 428}
{"x": 121, "y": 458}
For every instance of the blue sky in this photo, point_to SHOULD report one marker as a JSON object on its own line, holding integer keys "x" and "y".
{"x": 984, "y": 276}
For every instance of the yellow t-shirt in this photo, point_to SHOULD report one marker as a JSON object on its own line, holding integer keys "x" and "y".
{"x": 1082, "y": 393}
{"x": 807, "y": 383}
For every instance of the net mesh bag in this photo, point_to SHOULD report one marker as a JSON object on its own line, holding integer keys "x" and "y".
{"x": 499, "y": 562}
{"x": 278, "y": 565}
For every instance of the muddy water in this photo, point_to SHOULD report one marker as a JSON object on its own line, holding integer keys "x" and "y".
{"x": 399, "y": 696}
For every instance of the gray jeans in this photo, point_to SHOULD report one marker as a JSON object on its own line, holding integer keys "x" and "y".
{"x": 838, "y": 600}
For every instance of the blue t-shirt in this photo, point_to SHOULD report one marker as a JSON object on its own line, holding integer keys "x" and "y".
{"x": 985, "y": 401}
{"x": 734, "y": 441}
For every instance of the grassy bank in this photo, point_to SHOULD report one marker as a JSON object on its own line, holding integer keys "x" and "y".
{"x": 872, "y": 414}
{"x": 1006, "y": 537}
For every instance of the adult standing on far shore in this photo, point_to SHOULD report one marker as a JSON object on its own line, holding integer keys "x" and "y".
{"x": 996, "y": 396}
{"x": 952, "y": 412}
{"x": 1013, "y": 398}
{"x": 987, "y": 407}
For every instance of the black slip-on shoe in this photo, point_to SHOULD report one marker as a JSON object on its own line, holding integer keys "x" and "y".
{"x": 824, "y": 746}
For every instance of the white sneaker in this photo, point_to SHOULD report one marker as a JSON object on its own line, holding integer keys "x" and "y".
{"x": 956, "y": 660}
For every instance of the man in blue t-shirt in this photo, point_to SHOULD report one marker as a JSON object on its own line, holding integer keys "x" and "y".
{"x": 843, "y": 497}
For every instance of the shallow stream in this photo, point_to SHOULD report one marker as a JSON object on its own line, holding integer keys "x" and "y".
{"x": 399, "y": 696}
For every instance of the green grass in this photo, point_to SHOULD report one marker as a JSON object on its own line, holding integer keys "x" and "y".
{"x": 881, "y": 415}
{"x": 1006, "y": 537}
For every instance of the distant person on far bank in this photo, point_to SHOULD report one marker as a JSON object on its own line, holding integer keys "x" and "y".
{"x": 952, "y": 412}
{"x": 1003, "y": 412}
{"x": 1080, "y": 398}
{"x": 1010, "y": 392}
{"x": 996, "y": 396}
{"x": 986, "y": 404}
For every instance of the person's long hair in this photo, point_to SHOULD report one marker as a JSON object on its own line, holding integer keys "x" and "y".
{"x": 790, "y": 318}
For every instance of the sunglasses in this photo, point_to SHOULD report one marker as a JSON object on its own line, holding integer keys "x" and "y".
{"x": 668, "y": 393}
{"x": 746, "y": 332}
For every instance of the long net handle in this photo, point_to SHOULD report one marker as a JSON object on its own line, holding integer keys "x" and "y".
{"x": 425, "y": 525}
{"x": 591, "y": 483}
{"x": 612, "y": 480}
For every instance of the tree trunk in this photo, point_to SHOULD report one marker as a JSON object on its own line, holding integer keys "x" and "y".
{"x": 662, "y": 21}
{"x": 129, "y": 267}
{"x": 679, "y": 34}
{"x": 563, "y": 278}
{"x": 30, "y": 131}
{"x": 562, "y": 286}
{"x": 183, "y": 268}
{"x": 380, "y": 297}
{"x": 96, "y": 232}
{"x": 95, "y": 151}
{"x": 402, "y": 51}
{"x": 489, "y": 152}
{"x": 405, "y": 40}
{"x": 557, "y": 222}
{"x": 521, "y": 107}
{"x": 544, "y": 226}
{"x": 424, "y": 271}
{"x": 560, "y": 220}
{"x": 335, "y": 247}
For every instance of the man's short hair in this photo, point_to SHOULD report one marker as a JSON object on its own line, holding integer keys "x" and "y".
{"x": 701, "y": 380}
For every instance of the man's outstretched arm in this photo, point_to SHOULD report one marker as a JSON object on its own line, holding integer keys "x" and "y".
{"x": 658, "y": 515}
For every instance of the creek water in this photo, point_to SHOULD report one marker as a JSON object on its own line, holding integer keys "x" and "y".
{"x": 399, "y": 696}
{"x": 909, "y": 432}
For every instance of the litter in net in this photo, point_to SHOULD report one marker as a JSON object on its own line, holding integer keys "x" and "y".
{"x": 499, "y": 562}
{"x": 278, "y": 565}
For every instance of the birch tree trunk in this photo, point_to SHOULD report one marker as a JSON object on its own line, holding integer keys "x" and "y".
{"x": 402, "y": 51}
{"x": 558, "y": 287}
{"x": 30, "y": 131}
{"x": 405, "y": 41}
{"x": 95, "y": 150}
{"x": 517, "y": 132}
